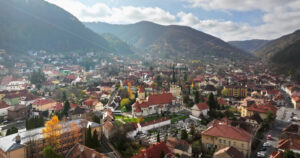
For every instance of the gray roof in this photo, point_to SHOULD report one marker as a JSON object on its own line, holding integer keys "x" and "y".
{"x": 8, "y": 143}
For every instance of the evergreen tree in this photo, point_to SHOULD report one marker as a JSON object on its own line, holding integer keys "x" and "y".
{"x": 64, "y": 96}
{"x": 11, "y": 130}
{"x": 162, "y": 154}
{"x": 184, "y": 134}
{"x": 288, "y": 154}
{"x": 212, "y": 102}
{"x": 95, "y": 139}
{"x": 88, "y": 138}
{"x": 192, "y": 131}
{"x": 66, "y": 108}
{"x": 158, "y": 137}
{"x": 196, "y": 95}
{"x": 49, "y": 152}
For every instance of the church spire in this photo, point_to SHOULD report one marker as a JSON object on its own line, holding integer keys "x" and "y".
{"x": 173, "y": 75}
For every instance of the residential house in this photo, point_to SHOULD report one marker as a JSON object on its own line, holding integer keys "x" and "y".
{"x": 225, "y": 135}
{"x": 200, "y": 109}
{"x": 3, "y": 109}
{"x": 228, "y": 152}
{"x": 18, "y": 112}
{"x": 179, "y": 147}
{"x": 296, "y": 101}
{"x": 154, "y": 150}
{"x": 43, "y": 104}
{"x": 82, "y": 151}
{"x": 262, "y": 110}
{"x": 276, "y": 154}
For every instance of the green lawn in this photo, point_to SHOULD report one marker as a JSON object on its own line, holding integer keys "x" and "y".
{"x": 125, "y": 119}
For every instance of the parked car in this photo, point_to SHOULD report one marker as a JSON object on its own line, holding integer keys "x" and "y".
{"x": 261, "y": 154}
{"x": 266, "y": 144}
{"x": 269, "y": 137}
{"x": 263, "y": 148}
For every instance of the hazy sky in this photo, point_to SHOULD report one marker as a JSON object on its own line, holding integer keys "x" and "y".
{"x": 226, "y": 19}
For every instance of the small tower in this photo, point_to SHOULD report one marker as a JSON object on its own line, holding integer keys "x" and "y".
{"x": 141, "y": 94}
{"x": 174, "y": 89}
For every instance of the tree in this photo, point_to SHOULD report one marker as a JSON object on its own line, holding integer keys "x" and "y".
{"x": 212, "y": 102}
{"x": 196, "y": 148}
{"x": 196, "y": 95}
{"x": 66, "y": 108}
{"x": 158, "y": 137}
{"x": 52, "y": 131}
{"x": 34, "y": 122}
{"x": 288, "y": 154}
{"x": 11, "y": 130}
{"x": 95, "y": 139}
{"x": 37, "y": 78}
{"x": 88, "y": 137}
{"x": 224, "y": 92}
{"x": 192, "y": 131}
{"x": 131, "y": 96}
{"x": 64, "y": 96}
{"x": 159, "y": 81}
{"x": 184, "y": 134}
{"x": 125, "y": 103}
{"x": 49, "y": 152}
{"x": 162, "y": 154}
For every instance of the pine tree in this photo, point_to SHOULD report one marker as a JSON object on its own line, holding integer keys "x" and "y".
{"x": 66, "y": 108}
{"x": 211, "y": 102}
{"x": 158, "y": 137}
{"x": 196, "y": 95}
{"x": 95, "y": 139}
{"x": 88, "y": 137}
{"x": 184, "y": 134}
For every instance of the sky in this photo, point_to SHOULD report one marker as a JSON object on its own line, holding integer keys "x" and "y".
{"x": 226, "y": 19}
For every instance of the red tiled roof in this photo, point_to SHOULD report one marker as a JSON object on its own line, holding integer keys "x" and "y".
{"x": 155, "y": 99}
{"x": 273, "y": 92}
{"x": 43, "y": 101}
{"x": 153, "y": 151}
{"x": 293, "y": 144}
{"x": 276, "y": 154}
{"x": 3, "y": 105}
{"x": 202, "y": 106}
{"x": 57, "y": 107}
{"x": 263, "y": 108}
{"x": 141, "y": 89}
{"x": 221, "y": 101}
{"x": 91, "y": 102}
{"x": 227, "y": 131}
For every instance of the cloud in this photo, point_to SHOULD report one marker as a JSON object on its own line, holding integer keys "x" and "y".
{"x": 279, "y": 16}
{"x": 122, "y": 15}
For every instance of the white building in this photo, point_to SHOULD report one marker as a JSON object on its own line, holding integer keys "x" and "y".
{"x": 200, "y": 109}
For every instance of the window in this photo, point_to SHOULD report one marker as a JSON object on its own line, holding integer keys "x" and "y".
{"x": 233, "y": 143}
{"x": 212, "y": 139}
{"x": 220, "y": 141}
{"x": 206, "y": 138}
{"x": 224, "y": 141}
{"x": 242, "y": 145}
{"x": 229, "y": 142}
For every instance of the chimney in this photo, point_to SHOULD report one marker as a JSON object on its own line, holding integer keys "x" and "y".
{"x": 18, "y": 139}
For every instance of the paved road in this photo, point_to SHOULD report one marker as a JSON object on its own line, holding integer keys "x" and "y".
{"x": 282, "y": 120}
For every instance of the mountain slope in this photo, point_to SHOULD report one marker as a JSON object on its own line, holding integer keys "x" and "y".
{"x": 288, "y": 57}
{"x": 277, "y": 45}
{"x": 36, "y": 24}
{"x": 119, "y": 46}
{"x": 249, "y": 45}
{"x": 168, "y": 40}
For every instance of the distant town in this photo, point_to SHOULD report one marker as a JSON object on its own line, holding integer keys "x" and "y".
{"x": 96, "y": 106}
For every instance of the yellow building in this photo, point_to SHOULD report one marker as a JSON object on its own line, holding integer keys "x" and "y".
{"x": 43, "y": 104}
{"x": 236, "y": 91}
{"x": 222, "y": 135}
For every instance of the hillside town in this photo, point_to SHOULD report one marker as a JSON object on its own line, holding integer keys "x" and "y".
{"x": 89, "y": 106}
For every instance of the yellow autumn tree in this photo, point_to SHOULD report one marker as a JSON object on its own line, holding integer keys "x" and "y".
{"x": 130, "y": 91}
{"x": 52, "y": 131}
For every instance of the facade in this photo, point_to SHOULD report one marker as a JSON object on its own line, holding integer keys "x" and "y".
{"x": 200, "y": 109}
{"x": 236, "y": 91}
{"x": 296, "y": 102}
{"x": 222, "y": 135}
{"x": 262, "y": 110}
{"x": 17, "y": 112}
{"x": 43, "y": 104}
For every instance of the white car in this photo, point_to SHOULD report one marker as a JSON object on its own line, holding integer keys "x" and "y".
{"x": 266, "y": 144}
{"x": 261, "y": 154}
